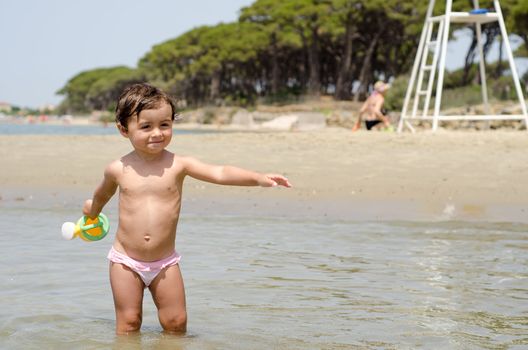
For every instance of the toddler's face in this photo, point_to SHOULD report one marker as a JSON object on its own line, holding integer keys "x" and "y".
{"x": 152, "y": 131}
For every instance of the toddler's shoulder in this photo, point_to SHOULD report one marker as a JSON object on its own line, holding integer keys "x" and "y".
{"x": 114, "y": 168}
{"x": 187, "y": 162}
{"x": 183, "y": 159}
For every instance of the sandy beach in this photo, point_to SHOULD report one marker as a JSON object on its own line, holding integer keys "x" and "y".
{"x": 365, "y": 175}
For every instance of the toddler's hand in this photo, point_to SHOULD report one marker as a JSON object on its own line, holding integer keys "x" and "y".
{"x": 272, "y": 180}
{"x": 87, "y": 207}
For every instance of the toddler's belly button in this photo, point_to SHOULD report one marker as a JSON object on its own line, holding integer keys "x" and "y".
{"x": 146, "y": 238}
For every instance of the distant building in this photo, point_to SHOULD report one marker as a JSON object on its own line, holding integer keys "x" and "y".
{"x": 46, "y": 108}
{"x": 5, "y": 107}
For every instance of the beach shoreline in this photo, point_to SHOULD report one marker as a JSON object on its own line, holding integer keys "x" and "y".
{"x": 449, "y": 175}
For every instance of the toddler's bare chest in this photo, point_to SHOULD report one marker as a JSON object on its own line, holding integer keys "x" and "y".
{"x": 136, "y": 184}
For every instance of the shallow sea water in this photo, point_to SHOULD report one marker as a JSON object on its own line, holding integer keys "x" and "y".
{"x": 275, "y": 283}
{"x": 7, "y": 128}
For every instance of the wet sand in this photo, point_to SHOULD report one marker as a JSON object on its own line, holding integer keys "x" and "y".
{"x": 365, "y": 175}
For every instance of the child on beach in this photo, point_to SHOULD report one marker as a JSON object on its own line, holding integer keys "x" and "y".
{"x": 150, "y": 181}
{"x": 372, "y": 109}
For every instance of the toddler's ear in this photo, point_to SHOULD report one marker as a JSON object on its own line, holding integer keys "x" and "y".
{"x": 122, "y": 130}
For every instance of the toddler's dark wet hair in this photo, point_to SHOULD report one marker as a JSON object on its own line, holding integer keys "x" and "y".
{"x": 138, "y": 97}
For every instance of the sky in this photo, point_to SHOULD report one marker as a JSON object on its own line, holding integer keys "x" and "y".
{"x": 46, "y": 43}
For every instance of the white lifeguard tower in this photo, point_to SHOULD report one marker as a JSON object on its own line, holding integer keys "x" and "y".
{"x": 431, "y": 49}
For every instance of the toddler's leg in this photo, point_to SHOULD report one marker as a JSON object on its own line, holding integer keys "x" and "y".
{"x": 168, "y": 294}
{"x": 127, "y": 289}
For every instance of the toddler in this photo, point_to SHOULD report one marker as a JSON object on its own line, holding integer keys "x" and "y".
{"x": 150, "y": 181}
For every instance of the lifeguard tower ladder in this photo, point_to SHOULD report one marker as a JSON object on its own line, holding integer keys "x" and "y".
{"x": 433, "y": 48}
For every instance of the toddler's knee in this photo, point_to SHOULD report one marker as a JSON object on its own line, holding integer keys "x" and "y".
{"x": 175, "y": 323}
{"x": 129, "y": 322}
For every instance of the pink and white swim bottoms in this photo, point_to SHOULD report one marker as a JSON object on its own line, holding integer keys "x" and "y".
{"x": 147, "y": 270}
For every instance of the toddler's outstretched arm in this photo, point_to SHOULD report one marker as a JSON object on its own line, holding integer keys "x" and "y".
{"x": 230, "y": 175}
{"x": 272, "y": 180}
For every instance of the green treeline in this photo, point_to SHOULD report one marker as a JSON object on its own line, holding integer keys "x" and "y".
{"x": 282, "y": 49}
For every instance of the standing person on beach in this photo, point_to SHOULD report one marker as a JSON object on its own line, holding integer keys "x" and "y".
{"x": 150, "y": 181}
{"x": 373, "y": 109}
